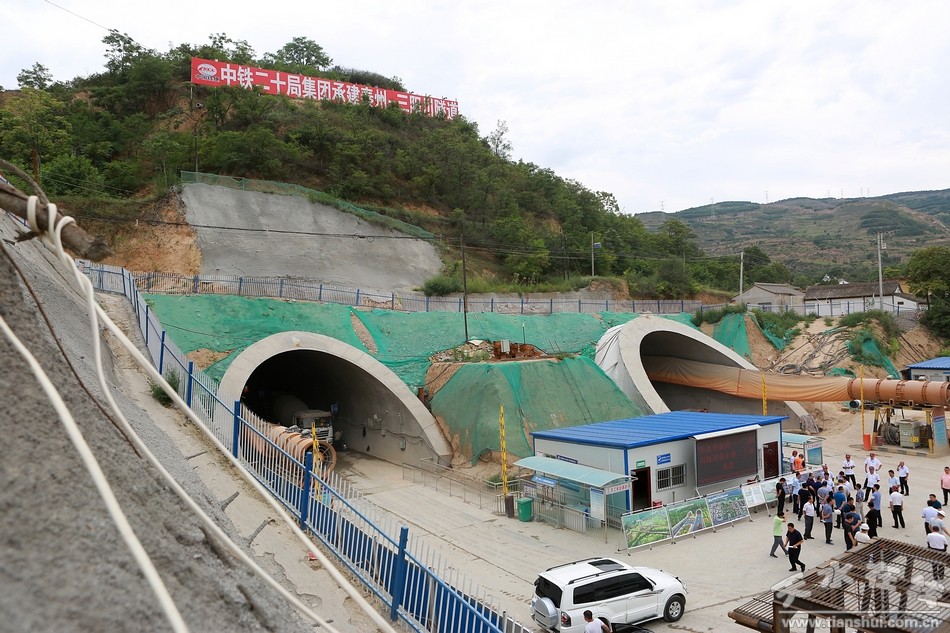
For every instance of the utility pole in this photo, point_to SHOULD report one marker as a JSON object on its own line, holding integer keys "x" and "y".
{"x": 464, "y": 282}
{"x": 880, "y": 270}
{"x": 591, "y": 253}
{"x": 741, "y": 271}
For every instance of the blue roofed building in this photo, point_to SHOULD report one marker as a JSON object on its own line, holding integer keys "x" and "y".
{"x": 933, "y": 369}
{"x": 668, "y": 457}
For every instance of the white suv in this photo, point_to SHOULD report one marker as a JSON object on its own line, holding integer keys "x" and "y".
{"x": 611, "y": 589}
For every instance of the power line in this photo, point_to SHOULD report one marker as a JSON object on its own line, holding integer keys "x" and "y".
{"x": 105, "y": 28}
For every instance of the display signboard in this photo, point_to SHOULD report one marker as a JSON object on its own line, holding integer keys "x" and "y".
{"x": 597, "y": 509}
{"x": 939, "y": 426}
{"x": 727, "y": 506}
{"x": 753, "y": 495}
{"x": 624, "y": 487}
{"x": 208, "y": 72}
{"x": 768, "y": 490}
{"x": 688, "y": 517}
{"x": 645, "y": 527}
{"x": 721, "y": 457}
{"x": 663, "y": 459}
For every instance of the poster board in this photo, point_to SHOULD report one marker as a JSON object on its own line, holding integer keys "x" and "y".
{"x": 645, "y": 527}
{"x": 753, "y": 495}
{"x": 688, "y": 517}
{"x": 727, "y": 506}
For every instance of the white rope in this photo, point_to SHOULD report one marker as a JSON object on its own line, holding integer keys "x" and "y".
{"x": 101, "y": 483}
{"x": 96, "y": 313}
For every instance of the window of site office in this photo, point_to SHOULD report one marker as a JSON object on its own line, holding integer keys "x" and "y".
{"x": 672, "y": 477}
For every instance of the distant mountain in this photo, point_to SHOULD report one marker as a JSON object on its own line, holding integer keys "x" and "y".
{"x": 827, "y": 235}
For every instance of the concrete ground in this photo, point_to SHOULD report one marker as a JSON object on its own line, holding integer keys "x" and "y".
{"x": 722, "y": 569}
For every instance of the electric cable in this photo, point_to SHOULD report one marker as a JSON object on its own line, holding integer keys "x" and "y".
{"x": 89, "y": 460}
{"x": 54, "y": 243}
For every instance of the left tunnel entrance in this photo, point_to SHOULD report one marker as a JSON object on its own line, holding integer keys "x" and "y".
{"x": 375, "y": 412}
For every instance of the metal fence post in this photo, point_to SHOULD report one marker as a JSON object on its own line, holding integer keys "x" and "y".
{"x": 240, "y": 285}
{"x": 191, "y": 377}
{"x": 550, "y": 306}
{"x": 305, "y": 493}
{"x": 161, "y": 356}
{"x": 578, "y": 306}
{"x": 124, "y": 292}
{"x": 357, "y": 297}
{"x": 493, "y": 304}
{"x": 394, "y": 301}
{"x": 280, "y": 288}
{"x": 320, "y": 293}
{"x": 460, "y": 304}
{"x": 522, "y": 305}
{"x": 195, "y": 287}
{"x": 237, "y": 427}
{"x": 146, "y": 325}
{"x": 400, "y": 570}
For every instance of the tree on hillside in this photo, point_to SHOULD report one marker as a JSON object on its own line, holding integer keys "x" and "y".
{"x": 498, "y": 141}
{"x": 300, "y": 55}
{"x": 928, "y": 274}
{"x": 38, "y": 77}
{"x": 34, "y": 129}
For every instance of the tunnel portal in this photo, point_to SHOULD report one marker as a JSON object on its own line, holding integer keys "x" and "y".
{"x": 376, "y": 412}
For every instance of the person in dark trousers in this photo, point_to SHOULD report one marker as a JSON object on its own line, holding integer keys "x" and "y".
{"x": 897, "y": 506}
{"x": 828, "y": 518}
{"x": 808, "y": 509}
{"x": 793, "y": 543}
{"x": 874, "y": 519}
{"x": 780, "y": 495}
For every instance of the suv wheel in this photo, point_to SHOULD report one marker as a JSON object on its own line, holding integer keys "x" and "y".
{"x": 673, "y": 610}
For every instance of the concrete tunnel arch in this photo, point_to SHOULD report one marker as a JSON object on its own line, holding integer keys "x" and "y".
{"x": 378, "y": 414}
{"x": 623, "y": 351}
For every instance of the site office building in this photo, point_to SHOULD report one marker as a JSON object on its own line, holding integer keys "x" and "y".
{"x": 673, "y": 456}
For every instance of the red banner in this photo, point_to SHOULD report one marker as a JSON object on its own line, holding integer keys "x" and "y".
{"x": 274, "y": 82}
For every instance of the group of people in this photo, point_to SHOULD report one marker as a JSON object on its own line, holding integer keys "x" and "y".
{"x": 838, "y": 501}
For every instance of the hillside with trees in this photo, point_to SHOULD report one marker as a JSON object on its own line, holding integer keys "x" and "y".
{"x": 111, "y": 145}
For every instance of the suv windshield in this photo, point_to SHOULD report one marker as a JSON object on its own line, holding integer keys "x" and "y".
{"x": 544, "y": 588}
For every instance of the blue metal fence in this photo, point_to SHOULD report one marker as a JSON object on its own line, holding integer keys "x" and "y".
{"x": 114, "y": 279}
{"x": 406, "y": 581}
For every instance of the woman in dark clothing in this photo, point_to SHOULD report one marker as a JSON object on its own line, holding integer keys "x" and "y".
{"x": 873, "y": 519}
{"x": 780, "y": 495}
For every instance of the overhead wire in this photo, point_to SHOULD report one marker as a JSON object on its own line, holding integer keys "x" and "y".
{"x": 54, "y": 242}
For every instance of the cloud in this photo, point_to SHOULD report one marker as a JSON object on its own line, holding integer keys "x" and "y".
{"x": 650, "y": 100}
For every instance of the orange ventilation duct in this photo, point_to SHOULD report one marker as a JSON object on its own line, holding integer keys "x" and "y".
{"x": 747, "y": 383}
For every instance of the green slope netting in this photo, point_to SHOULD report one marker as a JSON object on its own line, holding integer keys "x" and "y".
{"x": 536, "y": 395}
{"x": 731, "y": 332}
{"x": 864, "y": 349}
{"x": 223, "y": 323}
{"x": 778, "y": 341}
{"x": 406, "y": 340}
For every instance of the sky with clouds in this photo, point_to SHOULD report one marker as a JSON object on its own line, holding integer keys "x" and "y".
{"x": 667, "y": 105}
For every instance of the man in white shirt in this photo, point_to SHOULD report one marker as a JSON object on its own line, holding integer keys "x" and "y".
{"x": 903, "y": 473}
{"x": 871, "y": 462}
{"x": 809, "y": 511}
{"x": 928, "y": 514}
{"x": 872, "y": 478}
{"x": 937, "y": 541}
{"x": 897, "y": 507}
{"x": 848, "y": 467}
{"x": 862, "y": 536}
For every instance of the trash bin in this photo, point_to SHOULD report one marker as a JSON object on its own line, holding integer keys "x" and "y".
{"x": 524, "y": 508}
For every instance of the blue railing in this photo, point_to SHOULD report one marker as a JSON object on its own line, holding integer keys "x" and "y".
{"x": 411, "y": 589}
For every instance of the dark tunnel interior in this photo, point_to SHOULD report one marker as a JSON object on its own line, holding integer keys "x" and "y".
{"x": 299, "y": 379}
{"x": 679, "y": 397}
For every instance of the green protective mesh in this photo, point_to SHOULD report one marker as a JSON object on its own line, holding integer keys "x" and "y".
{"x": 538, "y": 395}
{"x": 778, "y": 341}
{"x": 841, "y": 371}
{"x": 864, "y": 349}
{"x": 406, "y": 340}
{"x": 229, "y": 324}
{"x": 731, "y": 332}
{"x": 683, "y": 317}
